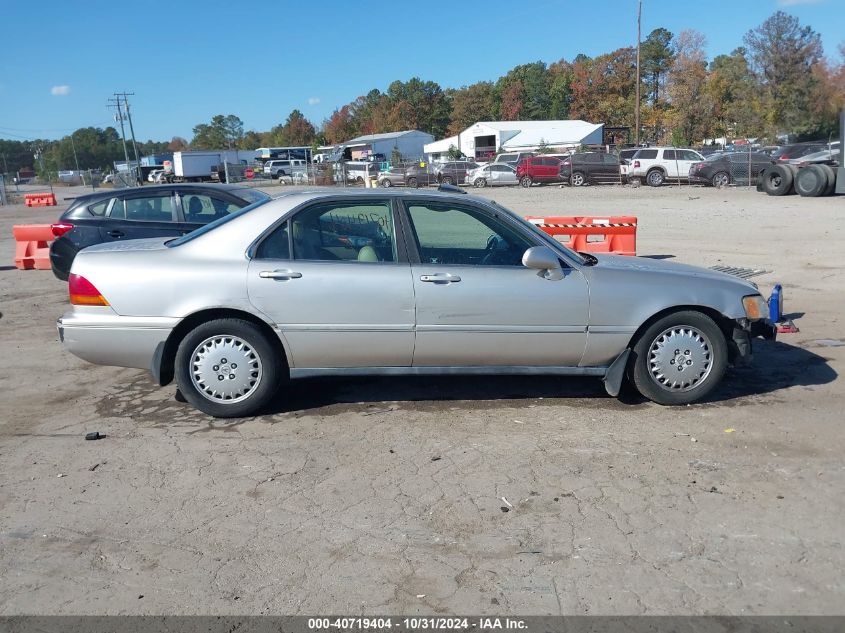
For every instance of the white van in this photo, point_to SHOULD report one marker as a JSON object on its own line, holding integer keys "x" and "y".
{"x": 286, "y": 167}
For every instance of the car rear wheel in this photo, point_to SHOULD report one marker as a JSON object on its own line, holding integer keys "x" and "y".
{"x": 680, "y": 358}
{"x": 480, "y": 182}
{"x": 386, "y": 183}
{"x": 447, "y": 180}
{"x": 227, "y": 368}
{"x": 578, "y": 179}
{"x": 655, "y": 178}
{"x": 525, "y": 181}
{"x": 412, "y": 182}
{"x": 721, "y": 179}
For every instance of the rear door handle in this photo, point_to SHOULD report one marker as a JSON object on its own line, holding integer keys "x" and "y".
{"x": 279, "y": 274}
{"x": 116, "y": 233}
{"x": 440, "y": 278}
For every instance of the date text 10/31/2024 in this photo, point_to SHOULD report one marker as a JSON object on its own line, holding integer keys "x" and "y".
{"x": 419, "y": 623}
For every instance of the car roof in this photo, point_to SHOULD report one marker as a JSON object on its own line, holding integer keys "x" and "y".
{"x": 108, "y": 193}
{"x": 351, "y": 192}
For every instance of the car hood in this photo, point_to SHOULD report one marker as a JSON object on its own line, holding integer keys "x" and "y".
{"x": 648, "y": 265}
{"x": 147, "y": 244}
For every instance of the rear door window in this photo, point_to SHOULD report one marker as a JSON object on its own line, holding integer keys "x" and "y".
{"x": 203, "y": 208}
{"x": 646, "y": 154}
{"x": 669, "y": 154}
{"x": 349, "y": 232}
{"x": 144, "y": 209}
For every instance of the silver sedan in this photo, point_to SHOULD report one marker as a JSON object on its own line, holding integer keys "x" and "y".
{"x": 385, "y": 282}
{"x": 491, "y": 175}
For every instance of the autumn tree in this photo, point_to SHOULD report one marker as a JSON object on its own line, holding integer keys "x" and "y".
{"x": 656, "y": 58}
{"x": 691, "y": 109}
{"x": 560, "y": 89}
{"x": 177, "y": 144}
{"x": 783, "y": 54}
{"x": 339, "y": 126}
{"x": 425, "y": 101}
{"x": 471, "y": 104}
{"x": 297, "y": 131}
{"x": 732, "y": 89}
{"x": 524, "y": 92}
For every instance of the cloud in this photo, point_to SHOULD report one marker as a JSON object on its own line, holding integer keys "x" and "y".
{"x": 60, "y": 91}
{"x": 313, "y": 100}
{"x": 793, "y": 3}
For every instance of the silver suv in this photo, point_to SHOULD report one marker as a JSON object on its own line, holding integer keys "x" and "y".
{"x": 284, "y": 167}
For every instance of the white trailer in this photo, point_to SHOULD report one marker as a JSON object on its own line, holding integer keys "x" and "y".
{"x": 198, "y": 166}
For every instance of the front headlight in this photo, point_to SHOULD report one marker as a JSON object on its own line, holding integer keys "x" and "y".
{"x": 755, "y": 307}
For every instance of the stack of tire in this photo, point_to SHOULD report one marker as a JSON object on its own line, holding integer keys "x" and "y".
{"x": 810, "y": 181}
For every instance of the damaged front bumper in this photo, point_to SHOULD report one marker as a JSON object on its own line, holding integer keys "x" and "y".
{"x": 743, "y": 332}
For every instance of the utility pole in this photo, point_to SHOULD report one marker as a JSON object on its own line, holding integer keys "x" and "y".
{"x": 637, "y": 106}
{"x": 132, "y": 132}
{"x": 119, "y": 117}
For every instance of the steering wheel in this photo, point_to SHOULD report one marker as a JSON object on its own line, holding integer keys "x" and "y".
{"x": 496, "y": 247}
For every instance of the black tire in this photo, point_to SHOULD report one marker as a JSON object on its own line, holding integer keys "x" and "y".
{"x": 655, "y": 178}
{"x": 480, "y": 182}
{"x": 447, "y": 180}
{"x": 525, "y": 181}
{"x": 720, "y": 179}
{"x": 264, "y": 364}
{"x": 811, "y": 181}
{"x": 386, "y": 183}
{"x": 412, "y": 182}
{"x": 701, "y": 348}
{"x": 831, "y": 179}
{"x": 578, "y": 179}
{"x": 777, "y": 180}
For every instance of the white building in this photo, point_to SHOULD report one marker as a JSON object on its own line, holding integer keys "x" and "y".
{"x": 409, "y": 143}
{"x": 484, "y": 139}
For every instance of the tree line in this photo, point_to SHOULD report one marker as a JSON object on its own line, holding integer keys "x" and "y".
{"x": 777, "y": 82}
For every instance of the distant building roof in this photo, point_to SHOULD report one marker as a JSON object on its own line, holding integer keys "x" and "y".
{"x": 532, "y": 133}
{"x": 369, "y": 138}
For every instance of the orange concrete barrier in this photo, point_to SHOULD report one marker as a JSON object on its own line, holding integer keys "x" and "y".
{"x": 617, "y": 234}
{"x": 40, "y": 200}
{"x": 32, "y": 248}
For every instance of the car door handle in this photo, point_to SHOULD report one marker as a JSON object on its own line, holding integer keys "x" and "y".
{"x": 116, "y": 233}
{"x": 279, "y": 274}
{"x": 440, "y": 278}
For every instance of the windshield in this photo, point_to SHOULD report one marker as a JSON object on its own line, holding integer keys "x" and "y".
{"x": 213, "y": 225}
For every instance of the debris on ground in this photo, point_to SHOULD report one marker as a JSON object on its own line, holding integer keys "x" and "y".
{"x": 729, "y": 430}
{"x": 94, "y": 435}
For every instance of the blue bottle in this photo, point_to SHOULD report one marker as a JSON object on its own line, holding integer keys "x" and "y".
{"x": 776, "y": 304}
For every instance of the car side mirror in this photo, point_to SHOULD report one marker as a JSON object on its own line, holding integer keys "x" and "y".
{"x": 544, "y": 259}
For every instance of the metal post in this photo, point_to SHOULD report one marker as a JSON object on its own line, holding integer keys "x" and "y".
{"x": 119, "y": 117}
{"x": 637, "y": 105}
{"x": 132, "y": 132}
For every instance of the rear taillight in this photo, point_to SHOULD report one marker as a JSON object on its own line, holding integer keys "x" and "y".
{"x": 636, "y": 163}
{"x": 783, "y": 157}
{"x": 60, "y": 228}
{"x": 83, "y": 293}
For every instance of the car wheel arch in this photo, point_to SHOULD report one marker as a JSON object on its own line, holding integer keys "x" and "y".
{"x": 164, "y": 361}
{"x": 725, "y": 323}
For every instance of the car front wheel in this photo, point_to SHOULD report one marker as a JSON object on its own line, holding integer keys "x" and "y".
{"x": 480, "y": 182}
{"x": 227, "y": 368}
{"x": 577, "y": 179}
{"x": 680, "y": 358}
{"x": 386, "y": 183}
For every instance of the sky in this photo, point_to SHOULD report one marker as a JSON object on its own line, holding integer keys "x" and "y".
{"x": 187, "y": 60}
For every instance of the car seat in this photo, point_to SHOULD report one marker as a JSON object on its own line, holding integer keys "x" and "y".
{"x": 194, "y": 213}
{"x": 367, "y": 254}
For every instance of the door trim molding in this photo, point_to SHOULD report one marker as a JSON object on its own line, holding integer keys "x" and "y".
{"x": 420, "y": 370}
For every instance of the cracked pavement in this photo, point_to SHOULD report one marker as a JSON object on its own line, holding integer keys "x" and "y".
{"x": 499, "y": 495}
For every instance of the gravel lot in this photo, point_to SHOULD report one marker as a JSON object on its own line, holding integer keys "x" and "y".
{"x": 366, "y": 496}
